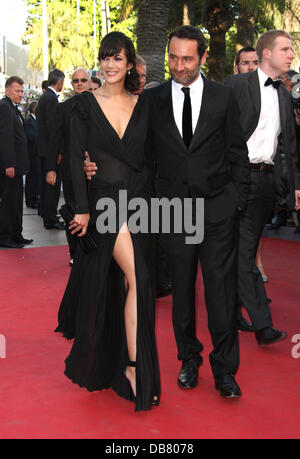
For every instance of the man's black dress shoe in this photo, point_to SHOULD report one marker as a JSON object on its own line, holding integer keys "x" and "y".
{"x": 9, "y": 244}
{"x": 58, "y": 226}
{"x": 22, "y": 240}
{"x": 269, "y": 335}
{"x": 244, "y": 325}
{"x": 188, "y": 376}
{"x": 227, "y": 386}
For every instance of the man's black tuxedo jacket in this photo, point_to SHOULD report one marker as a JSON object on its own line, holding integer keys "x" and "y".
{"x": 215, "y": 166}
{"x": 286, "y": 173}
{"x": 31, "y": 134}
{"x": 60, "y": 142}
{"x": 45, "y": 116}
{"x": 13, "y": 144}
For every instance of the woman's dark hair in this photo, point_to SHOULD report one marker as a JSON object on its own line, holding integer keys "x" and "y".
{"x": 112, "y": 44}
{"x": 191, "y": 33}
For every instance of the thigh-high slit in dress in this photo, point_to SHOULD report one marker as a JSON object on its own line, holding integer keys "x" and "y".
{"x": 92, "y": 309}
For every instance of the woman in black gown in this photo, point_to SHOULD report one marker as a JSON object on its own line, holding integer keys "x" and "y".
{"x": 109, "y": 303}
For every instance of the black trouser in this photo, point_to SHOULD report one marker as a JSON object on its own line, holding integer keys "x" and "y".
{"x": 70, "y": 199}
{"x": 261, "y": 201}
{"x": 49, "y": 197}
{"x": 162, "y": 269}
{"x": 33, "y": 181}
{"x": 11, "y": 207}
{"x": 218, "y": 258}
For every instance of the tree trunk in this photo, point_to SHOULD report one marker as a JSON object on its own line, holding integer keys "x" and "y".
{"x": 245, "y": 28}
{"x": 182, "y": 12}
{"x": 152, "y": 36}
{"x": 217, "y": 55}
{"x": 219, "y": 17}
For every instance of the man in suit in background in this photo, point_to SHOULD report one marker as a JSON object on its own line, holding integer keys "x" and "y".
{"x": 33, "y": 178}
{"x": 266, "y": 114}
{"x": 45, "y": 114}
{"x": 14, "y": 164}
{"x": 246, "y": 60}
{"x": 60, "y": 144}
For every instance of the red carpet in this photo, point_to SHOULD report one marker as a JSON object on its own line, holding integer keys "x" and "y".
{"x": 38, "y": 401}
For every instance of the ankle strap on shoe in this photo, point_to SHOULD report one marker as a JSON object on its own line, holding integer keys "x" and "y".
{"x": 131, "y": 363}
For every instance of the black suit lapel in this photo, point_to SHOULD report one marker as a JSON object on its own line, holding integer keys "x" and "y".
{"x": 165, "y": 107}
{"x": 17, "y": 112}
{"x": 254, "y": 91}
{"x": 282, "y": 106}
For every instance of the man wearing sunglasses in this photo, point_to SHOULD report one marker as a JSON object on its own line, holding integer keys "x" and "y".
{"x": 60, "y": 146}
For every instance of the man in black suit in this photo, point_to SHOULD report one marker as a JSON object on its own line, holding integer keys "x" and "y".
{"x": 14, "y": 164}
{"x": 60, "y": 144}
{"x": 266, "y": 115}
{"x": 45, "y": 114}
{"x": 196, "y": 141}
{"x": 33, "y": 178}
{"x": 246, "y": 60}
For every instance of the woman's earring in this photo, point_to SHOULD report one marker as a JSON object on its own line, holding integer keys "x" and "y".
{"x": 128, "y": 72}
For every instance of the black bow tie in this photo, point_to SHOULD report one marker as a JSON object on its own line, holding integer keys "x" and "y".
{"x": 274, "y": 83}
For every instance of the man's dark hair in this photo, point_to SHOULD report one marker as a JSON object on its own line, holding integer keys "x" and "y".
{"x": 246, "y": 49}
{"x": 96, "y": 81}
{"x": 13, "y": 79}
{"x": 45, "y": 84}
{"x": 190, "y": 33}
{"x": 54, "y": 76}
{"x": 32, "y": 106}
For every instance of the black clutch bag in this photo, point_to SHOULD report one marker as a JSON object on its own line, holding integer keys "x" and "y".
{"x": 87, "y": 242}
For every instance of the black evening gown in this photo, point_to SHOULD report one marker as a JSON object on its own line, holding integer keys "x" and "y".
{"x": 92, "y": 308}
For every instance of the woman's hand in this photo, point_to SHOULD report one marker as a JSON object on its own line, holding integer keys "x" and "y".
{"x": 89, "y": 167}
{"x": 79, "y": 224}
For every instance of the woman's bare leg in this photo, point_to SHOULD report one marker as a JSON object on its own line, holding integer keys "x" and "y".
{"x": 124, "y": 255}
{"x": 258, "y": 259}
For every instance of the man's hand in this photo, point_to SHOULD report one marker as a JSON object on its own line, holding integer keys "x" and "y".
{"x": 10, "y": 172}
{"x": 51, "y": 178}
{"x": 297, "y": 117}
{"x": 79, "y": 223}
{"x": 89, "y": 167}
{"x": 297, "y": 199}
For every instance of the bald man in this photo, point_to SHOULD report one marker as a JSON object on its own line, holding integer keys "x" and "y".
{"x": 60, "y": 148}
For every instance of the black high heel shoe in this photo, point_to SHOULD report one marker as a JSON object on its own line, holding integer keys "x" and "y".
{"x": 132, "y": 363}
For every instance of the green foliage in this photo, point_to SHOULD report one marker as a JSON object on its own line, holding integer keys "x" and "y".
{"x": 123, "y": 17}
{"x": 72, "y": 45}
{"x": 70, "y": 41}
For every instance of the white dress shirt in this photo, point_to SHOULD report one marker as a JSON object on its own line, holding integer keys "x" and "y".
{"x": 196, "y": 91}
{"x": 262, "y": 144}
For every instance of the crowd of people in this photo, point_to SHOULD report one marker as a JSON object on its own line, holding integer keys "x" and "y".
{"x": 234, "y": 145}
